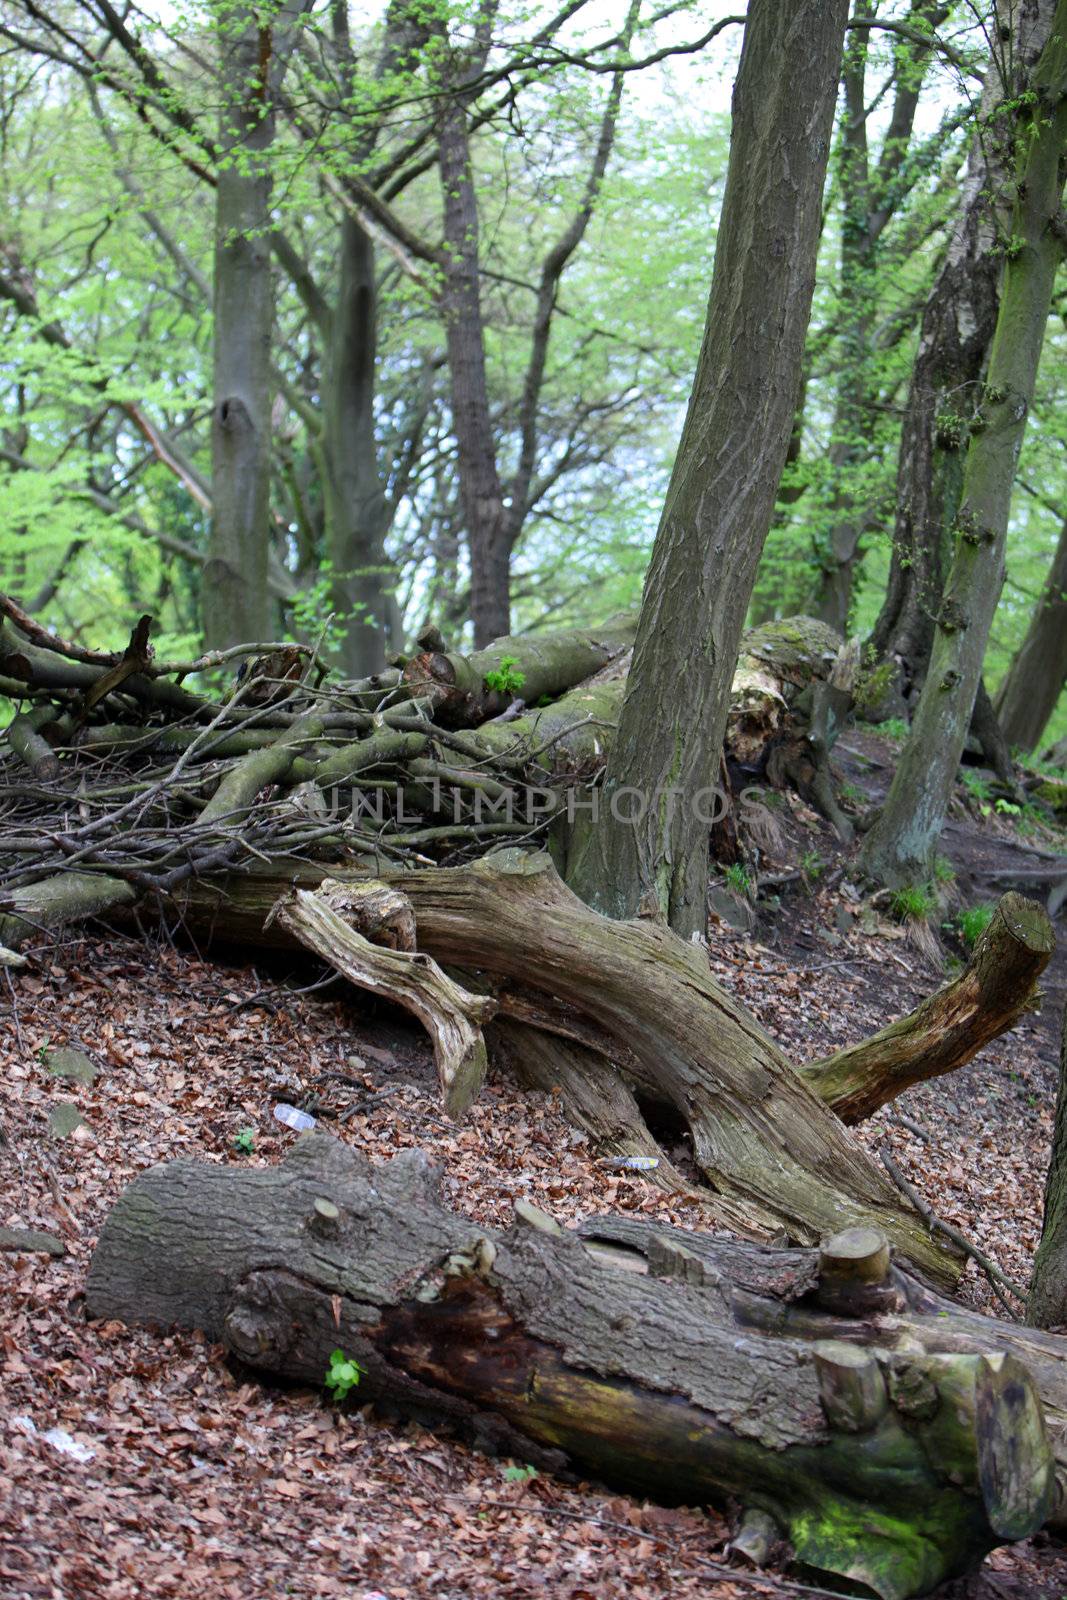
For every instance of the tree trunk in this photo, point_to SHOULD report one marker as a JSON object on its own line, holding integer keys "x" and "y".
{"x": 721, "y": 498}
{"x": 481, "y": 490}
{"x": 640, "y": 1355}
{"x": 235, "y": 603}
{"x": 356, "y": 514}
{"x": 899, "y": 846}
{"x": 1035, "y": 680}
{"x": 944, "y": 399}
{"x": 1047, "y": 1305}
{"x": 465, "y": 690}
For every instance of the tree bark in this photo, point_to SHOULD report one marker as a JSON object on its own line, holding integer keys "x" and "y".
{"x": 1035, "y": 680}
{"x": 481, "y": 490}
{"x": 899, "y": 846}
{"x": 944, "y": 397}
{"x": 235, "y": 603}
{"x": 869, "y": 200}
{"x": 639, "y": 1354}
{"x": 1047, "y": 1304}
{"x": 354, "y": 496}
{"x": 457, "y": 687}
{"x": 721, "y": 498}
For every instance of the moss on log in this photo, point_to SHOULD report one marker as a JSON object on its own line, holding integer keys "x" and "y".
{"x": 633, "y": 1353}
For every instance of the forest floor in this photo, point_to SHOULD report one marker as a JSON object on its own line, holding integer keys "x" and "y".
{"x": 174, "y": 1474}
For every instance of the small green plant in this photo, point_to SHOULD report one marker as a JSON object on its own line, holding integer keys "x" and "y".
{"x": 944, "y": 873}
{"x": 973, "y": 922}
{"x": 913, "y": 903}
{"x": 738, "y": 879}
{"x": 812, "y": 865}
{"x": 976, "y": 786}
{"x": 1008, "y": 808}
{"x": 245, "y": 1141}
{"x": 852, "y": 793}
{"x": 505, "y": 679}
{"x": 525, "y": 1474}
{"x": 342, "y": 1374}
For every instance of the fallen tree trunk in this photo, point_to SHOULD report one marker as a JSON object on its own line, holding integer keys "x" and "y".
{"x": 463, "y": 691}
{"x": 613, "y": 994}
{"x": 995, "y": 989}
{"x": 773, "y": 1155}
{"x": 636, "y": 1353}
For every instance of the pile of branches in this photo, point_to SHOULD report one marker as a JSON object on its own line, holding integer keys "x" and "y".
{"x": 151, "y": 773}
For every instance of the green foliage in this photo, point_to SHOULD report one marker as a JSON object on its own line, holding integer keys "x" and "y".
{"x": 943, "y": 871}
{"x": 525, "y": 1474}
{"x": 245, "y": 1142}
{"x": 343, "y": 1374}
{"x": 912, "y": 903}
{"x": 738, "y": 879}
{"x": 980, "y": 789}
{"x": 973, "y": 922}
{"x": 505, "y": 679}
{"x": 812, "y": 865}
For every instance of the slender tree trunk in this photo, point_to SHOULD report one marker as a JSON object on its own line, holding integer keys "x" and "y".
{"x": 944, "y": 397}
{"x": 356, "y": 510}
{"x": 852, "y": 416}
{"x": 1027, "y": 697}
{"x": 721, "y": 497}
{"x": 235, "y": 599}
{"x": 869, "y": 200}
{"x": 899, "y": 846}
{"x": 481, "y": 491}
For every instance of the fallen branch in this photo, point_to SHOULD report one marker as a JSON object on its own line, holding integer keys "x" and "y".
{"x": 995, "y": 989}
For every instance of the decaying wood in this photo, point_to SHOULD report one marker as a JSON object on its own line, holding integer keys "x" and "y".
{"x": 459, "y": 688}
{"x": 885, "y": 1448}
{"x": 323, "y": 921}
{"x": 995, "y": 989}
{"x": 772, "y": 1154}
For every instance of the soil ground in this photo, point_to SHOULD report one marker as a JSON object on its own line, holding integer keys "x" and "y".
{"x": 177, "y": 1474}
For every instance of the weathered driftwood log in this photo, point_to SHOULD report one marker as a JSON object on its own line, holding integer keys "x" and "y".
{"x": 655, "y": 1034}
{"x": 995, "y": 989}
{"x": 773, "y": 1154}
{"x": 653, "y": 1359}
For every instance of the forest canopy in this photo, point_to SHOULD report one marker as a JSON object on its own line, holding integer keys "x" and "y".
{"x": 597, "y": 142}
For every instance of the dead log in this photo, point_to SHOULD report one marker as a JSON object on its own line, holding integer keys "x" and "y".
{"x": 463, "y": 691}
{"x": 995, "y": 989}
{"x": 774, "y": 1156}
{"x": 655, "y": 1360}
{"x": 323, "y": 921}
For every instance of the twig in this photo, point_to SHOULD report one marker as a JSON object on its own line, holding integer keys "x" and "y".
{"x": 991, "y": 1270}
{"x": 901, "y": 1121}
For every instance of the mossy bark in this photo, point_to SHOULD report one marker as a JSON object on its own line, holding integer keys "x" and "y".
{"x": 899, "y": 847}
{"x": 634, "y": 1355}
{"x": 720, "y": 501}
